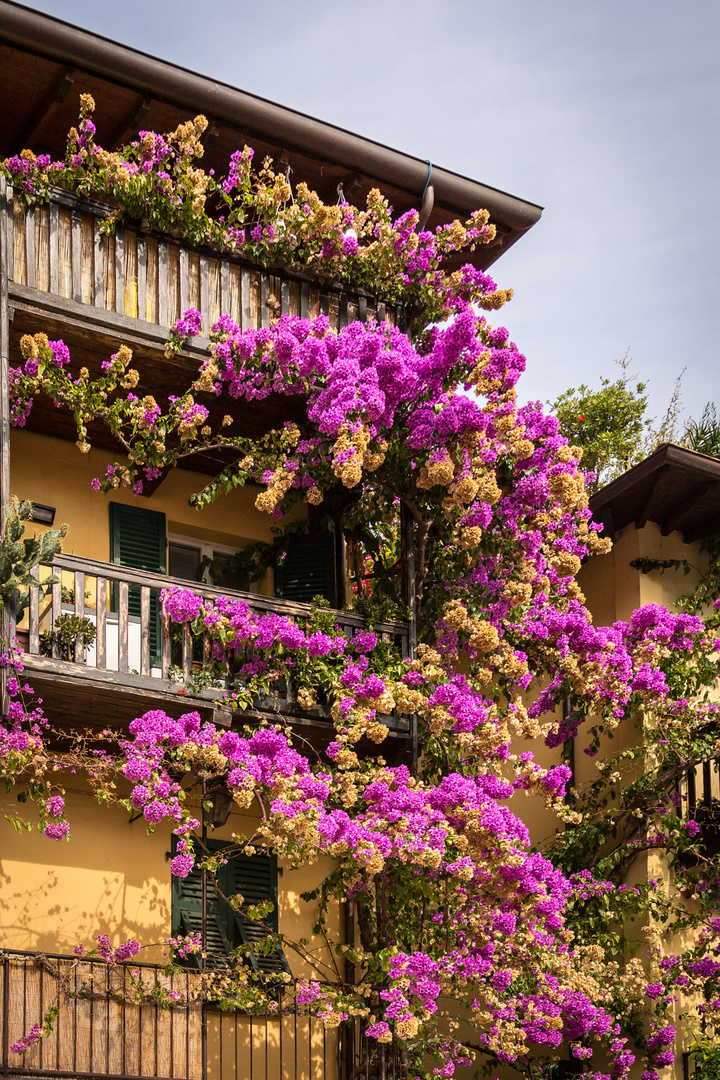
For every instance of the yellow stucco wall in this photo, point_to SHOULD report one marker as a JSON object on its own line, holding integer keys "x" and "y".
{"x": 613, "y": 589}
{"x": 53, "y": 472}
{"x": 113, "y": 878}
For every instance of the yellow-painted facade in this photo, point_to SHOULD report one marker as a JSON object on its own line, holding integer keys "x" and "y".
{"x": 112, "y": 878}
{"x": 53, "y": 472}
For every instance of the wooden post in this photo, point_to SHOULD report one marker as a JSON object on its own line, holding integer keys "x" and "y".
{"x": 284, "y": 297}
{"x": 141, "y": 278}
{"x": 98, "y": 262}
{"x": 184, "y": 275}
{"x": 30, "y": 247}
{"x": 162, "y": 283}
{"x": 76, "y": 256}
{"x": 410, "y": 596}
{"x": 264, "y": 297}
{"x": 120, "y": 271}
{"x": 244, "y": 298}
{"x": 305, "y": 300}
{"x": 5, "y": 237}
{"x": 204, "y": 272}
{"x": 343, "y": 311}
{"x": 224, "y": 287}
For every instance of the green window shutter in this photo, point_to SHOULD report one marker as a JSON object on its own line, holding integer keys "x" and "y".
{"x": 255, "y": 878}
{"x": 138, "y": 539}
{"x": 187, "y": 909}
{"x": 308, "y": 569}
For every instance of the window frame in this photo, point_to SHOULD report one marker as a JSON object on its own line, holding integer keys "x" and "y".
{"x": 206, "y": 548}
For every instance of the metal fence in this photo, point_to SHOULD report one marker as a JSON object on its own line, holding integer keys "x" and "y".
{"x": 107, "y": 1019}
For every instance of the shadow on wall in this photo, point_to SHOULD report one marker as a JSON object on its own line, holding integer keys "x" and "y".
{"x": 111, "y": 878}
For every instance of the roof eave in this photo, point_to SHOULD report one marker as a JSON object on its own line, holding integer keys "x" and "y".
{"x": 47, "y": 35}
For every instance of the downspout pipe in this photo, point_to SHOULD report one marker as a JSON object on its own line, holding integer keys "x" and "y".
{"x": 428, "y": 201}
{"x": 59, "y": 40}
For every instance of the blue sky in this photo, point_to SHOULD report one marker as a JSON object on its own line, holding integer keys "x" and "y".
{"x": 604, "y": 113}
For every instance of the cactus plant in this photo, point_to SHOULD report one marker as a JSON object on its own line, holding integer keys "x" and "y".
{"x": 18, "y": 556}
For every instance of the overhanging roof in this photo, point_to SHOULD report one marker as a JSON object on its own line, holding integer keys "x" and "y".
{"x": 676, "y": 488}
{"x": 47, "y": 63}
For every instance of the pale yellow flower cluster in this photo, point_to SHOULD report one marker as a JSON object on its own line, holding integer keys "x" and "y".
{"x": 278, "y": 486}
{"x": 206, "y": 380}
{"x": 436, "y": 472}
{"x": 482, "y": 636}
{"x": 349, "y": 471}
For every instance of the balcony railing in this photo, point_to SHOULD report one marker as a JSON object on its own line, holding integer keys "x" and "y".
{"x": 110, "y": 1022}
{"x": 134, "y": 643}
{"x": 702, "y": 790}
{"x": 59, "y": 249}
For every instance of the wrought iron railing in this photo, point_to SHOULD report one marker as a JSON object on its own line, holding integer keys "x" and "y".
{"x": 133, "y": 640}
{"x": 702, "y": 791}
{"x": 59, "y": 248}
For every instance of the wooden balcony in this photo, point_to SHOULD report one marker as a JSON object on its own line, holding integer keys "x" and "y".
{"x": 127, "y": 669}
{"x": 59, "y": 260}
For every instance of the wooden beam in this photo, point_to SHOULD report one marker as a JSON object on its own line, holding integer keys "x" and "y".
{"x": 56, "y": 97}
{"x": 673, "y": 520}
{"x": 647, "y": 514}
{"x": 130, "y": 126}
{"x": 212, "y": 133}
{"x": 150, "y": 335}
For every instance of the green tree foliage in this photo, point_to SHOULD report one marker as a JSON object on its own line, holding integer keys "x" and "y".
{"x": 609, "y": 423}
{"x": 703, "y": 435}
{"x": 612, "y": 426}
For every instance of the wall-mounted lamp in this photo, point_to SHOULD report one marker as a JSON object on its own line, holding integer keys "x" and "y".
{"x": 42, "y": 515}
{"x": 221, "y": 802}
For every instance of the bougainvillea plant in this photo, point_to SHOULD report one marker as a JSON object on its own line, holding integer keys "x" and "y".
{"x": 473, "y": 946}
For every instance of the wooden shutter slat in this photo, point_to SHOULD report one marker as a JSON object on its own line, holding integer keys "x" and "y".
{"x": 308, "y": 569}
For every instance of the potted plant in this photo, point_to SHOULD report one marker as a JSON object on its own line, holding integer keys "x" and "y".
{"x": 68, "y": 630}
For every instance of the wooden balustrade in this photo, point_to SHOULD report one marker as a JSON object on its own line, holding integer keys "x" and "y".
{"x": 134, "y": 639}
{"x": 110, "y": 1024}
{"x": 60, "y": 248}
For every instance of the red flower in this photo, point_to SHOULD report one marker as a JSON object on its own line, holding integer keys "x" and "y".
{"x": 581, "y": 419}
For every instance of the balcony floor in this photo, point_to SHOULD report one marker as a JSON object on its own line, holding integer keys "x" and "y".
{"x": 78, "y": 696}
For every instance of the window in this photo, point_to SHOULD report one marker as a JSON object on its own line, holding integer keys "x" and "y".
{"x": 255, "y": 878}
{"x": 185, "y": 559}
